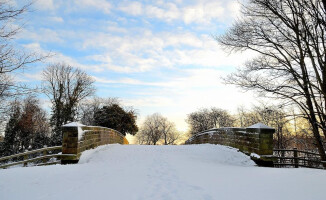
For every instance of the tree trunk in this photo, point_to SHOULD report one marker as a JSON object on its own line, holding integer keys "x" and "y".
{"x": 319, "y": 141}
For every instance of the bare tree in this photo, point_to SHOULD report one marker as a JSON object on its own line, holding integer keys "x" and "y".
{"x": 169, "y": 132}
{"x": 273, "y": 116}
{"x": 66, "y": 87}
{"x": 289, "y": 36}
{"x": 12, "y": 58}
{"x": 221, "y": 118}
{"x": 205, "y": 119}
{"x": 199, "y": 121}
{"x": 156, "y": 128}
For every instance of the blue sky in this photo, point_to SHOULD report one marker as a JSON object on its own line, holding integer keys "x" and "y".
{"x": 157, "y": 56}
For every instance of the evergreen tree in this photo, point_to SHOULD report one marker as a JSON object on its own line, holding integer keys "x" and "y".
{"x": 117, "y": 118}
{"x": 11, "y": 141}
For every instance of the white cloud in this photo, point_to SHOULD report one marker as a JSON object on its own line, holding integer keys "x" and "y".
{"x": 234, "y": 7}
{"x": 56, "y": 19}
{"x": 179, "y": 96}
{"x": 45, "y": 4}
{"x": 200, "y": 12}
{"x": 42, "y": 35}
{"x": 119, "y": 81}
{"x": 153, "y": 101}
{"x": 168, "y": 13}
{"x": 142, "y": 39}
{"x": 132, "y": 8}
{"x": 114, "y": 29}
{"x": 203, "y": 13}
{"x": 103, "y": 5}
{"x": 149, "y": 51}
{"x": 34, "y": 76}
{"x": 57, "y": 57}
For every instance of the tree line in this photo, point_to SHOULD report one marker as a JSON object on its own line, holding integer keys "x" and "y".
{"x": 291, "y": 129}
{"x": 288, "y": 37}
{"x": 71, "y": 91}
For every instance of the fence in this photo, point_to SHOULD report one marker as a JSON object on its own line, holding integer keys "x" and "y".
{"x": 297, "y": 158}
{"x": 39, "y": 157}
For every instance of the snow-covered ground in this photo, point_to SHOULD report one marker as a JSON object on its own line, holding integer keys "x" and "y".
{"x": 131, "y": 172}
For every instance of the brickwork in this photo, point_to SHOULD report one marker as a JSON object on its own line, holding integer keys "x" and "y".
{"x": 79, "y": 138}
{"x": 248, "y": 140}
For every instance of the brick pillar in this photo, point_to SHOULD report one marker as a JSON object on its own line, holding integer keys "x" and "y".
{"x": 70, "y": 143}
{"x": 265, "y": 143}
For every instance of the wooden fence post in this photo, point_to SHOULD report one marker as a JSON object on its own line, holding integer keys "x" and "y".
{"x": 295, "y": 155}
{"x": 25, "y": 158}
{"x": 45, "y": 152}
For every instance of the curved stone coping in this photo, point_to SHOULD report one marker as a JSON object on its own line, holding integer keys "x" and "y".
{"x": 86, "y": 128}
{"x": 216, "y": 131}
{"x": 254, "y": 129}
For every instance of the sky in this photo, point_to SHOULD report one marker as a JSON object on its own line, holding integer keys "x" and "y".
{"x": 156, "y": 56}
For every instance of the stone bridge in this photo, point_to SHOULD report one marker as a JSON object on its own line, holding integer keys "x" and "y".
{"x": 255, "y": 140}
{"x": 78, "y": 138}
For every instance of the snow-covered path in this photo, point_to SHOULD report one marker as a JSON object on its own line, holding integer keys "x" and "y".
{"x": 134, "y": 172}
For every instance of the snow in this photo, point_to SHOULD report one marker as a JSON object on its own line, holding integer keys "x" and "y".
{"x": 260, "y": 125}
{"x": 254, "y": 155}
{"x": 80, "y": 130}
{"x": 73, "y": 124}
{"x": 134, "y": 172}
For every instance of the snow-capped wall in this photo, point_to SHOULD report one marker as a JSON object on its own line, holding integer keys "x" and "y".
{"x": 78, "y": 138}
{"x": 256, "y": 139}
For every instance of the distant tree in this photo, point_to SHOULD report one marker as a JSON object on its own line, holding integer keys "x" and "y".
{"x": 273, "y": 116}
{"x": 157, "y": 128}
{"x": 261, "y": 112}
{"x": 289, "y": 38}
{"x": 88, "y": 108}
{"x": 221, "y": 118}
{"x": 27, "y": 128}
{"x": 169, "y": 132}
{"x": 66, "y": 87}
{"x": 117, "y": 118}
{"x": 205, "y": 119}
{"x": 199, "y": 121}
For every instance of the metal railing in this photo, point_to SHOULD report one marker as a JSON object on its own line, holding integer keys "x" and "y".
{"x": 297, "y": 158}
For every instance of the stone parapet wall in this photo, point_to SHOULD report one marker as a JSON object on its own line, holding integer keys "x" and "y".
{"x": 255, "y": 139}
{"x": 78, "y": 138}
